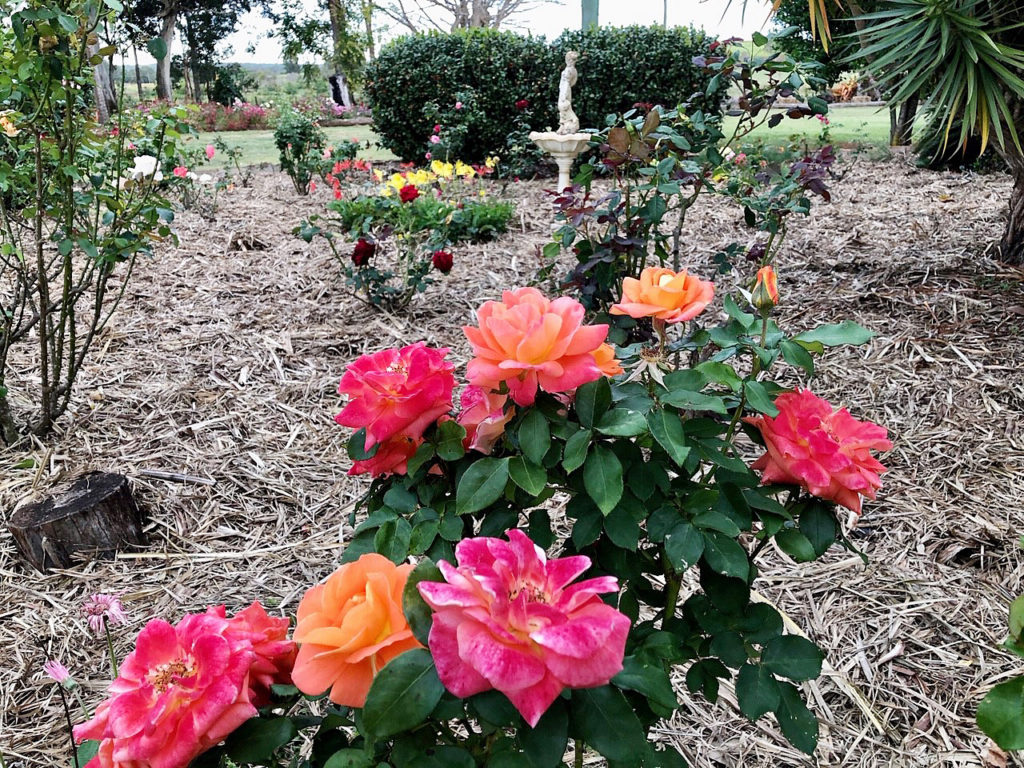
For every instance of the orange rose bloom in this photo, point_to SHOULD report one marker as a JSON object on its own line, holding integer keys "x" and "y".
{"x": 349, "y": 627}
{"x": 604, "y": 356}
{"x": 665, "y": 295}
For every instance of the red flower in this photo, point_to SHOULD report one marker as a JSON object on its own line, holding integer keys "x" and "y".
{"x": 523, "y": 104}
{"x": 363, "y": 251}
{"x": 437, "y": 128}
{"x": 442, "y": 261}
{"x": 408, "y": 193}
{"x": 392, "y": 457}
{"x": 827, "y": 452}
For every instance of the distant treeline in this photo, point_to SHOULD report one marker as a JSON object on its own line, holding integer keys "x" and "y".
{"x": 148, "y": 71}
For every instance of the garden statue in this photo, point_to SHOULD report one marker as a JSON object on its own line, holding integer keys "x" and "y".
{"x": 567, "y": 120}
{"x": 567, "y": 142}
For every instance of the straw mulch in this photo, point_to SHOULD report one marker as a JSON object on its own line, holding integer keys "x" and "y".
{"x": 221, "y": 369}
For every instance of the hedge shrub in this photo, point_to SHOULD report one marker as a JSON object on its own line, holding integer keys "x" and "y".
{"x": 618, "y": 67}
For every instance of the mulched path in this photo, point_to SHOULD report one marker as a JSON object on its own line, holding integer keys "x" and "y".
{"x": 223, "y": 363}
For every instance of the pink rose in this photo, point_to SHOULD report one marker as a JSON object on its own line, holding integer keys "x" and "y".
{"x": 392, "y": 457}
{"x": 511, "y": 620}
{"x": 824, "y": 451}
{"x": 530, "y": 343}
{"x": 210, "y": 151}
{"x": 181, "y": 171}
{"x": 435, "y": 139}
{"x": 482, "y": 414}
{"x": 397, "y": 392}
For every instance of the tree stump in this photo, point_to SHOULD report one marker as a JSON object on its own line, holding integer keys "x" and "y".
{"x": 95, "y": 515}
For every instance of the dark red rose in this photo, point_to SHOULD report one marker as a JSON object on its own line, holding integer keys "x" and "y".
{"x": 408, "y": 193}
{"x": 442, "y": 261}
{"x": 522, "y": 104}
{"x": 363, "y": 251}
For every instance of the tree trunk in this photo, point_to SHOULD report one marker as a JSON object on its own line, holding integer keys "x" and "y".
{"x": 371, "y": 48}
{"x": 901, "y": 122}
{"x": 106, "y": 101}
{"x": 138, "y": 72}
{"x": 163, "y": 66}
{"x": 339, "y": 30}
{"x": 1011, "y": 247}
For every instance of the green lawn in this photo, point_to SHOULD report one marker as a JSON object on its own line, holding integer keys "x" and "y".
{"x": 848, "y": 125}
{"x": 258, "y": 146}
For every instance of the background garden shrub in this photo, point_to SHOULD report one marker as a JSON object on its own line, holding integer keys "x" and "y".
{"x": 618, "y": 67}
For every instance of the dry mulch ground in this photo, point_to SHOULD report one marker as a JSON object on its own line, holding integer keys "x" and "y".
{"x": 222, "y": 366}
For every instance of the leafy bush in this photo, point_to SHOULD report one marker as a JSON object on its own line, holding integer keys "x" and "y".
{"x": 300, "y": 144}
{"x": 618, "y": 67}
{"x": 239, "y": 116}
{"x": 229, "y": 83}
{"x": 939, "y": 150}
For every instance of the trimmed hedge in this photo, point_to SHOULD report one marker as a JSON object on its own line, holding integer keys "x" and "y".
{"x": 618, "y": 67}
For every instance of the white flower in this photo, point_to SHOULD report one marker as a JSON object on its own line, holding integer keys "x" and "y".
{"x": 205, "y": 178}
{"x": 145, "y": 166}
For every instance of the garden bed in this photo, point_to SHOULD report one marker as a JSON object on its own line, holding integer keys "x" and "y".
{"x": 222, "y": 368}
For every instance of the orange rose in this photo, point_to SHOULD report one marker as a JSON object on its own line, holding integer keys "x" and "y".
{"x": 349, "y": 627}
{"x": 604, "y": 356}
{"x": 665, "y": 295}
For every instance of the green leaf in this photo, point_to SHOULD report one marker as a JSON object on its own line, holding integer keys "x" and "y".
{"x": 622, "y": 529}
{"x": 349, "y": 758}
{"x": 402, "y": 695}
{"x": 417, "y": 612}
{"x": 695, "y": 401}
{"x": 356, "y": 446}
{"x": 1001, "y": 714}
{"x": 795, "y": 354}
{"x": 846, "y": 332}
{"x": 527, "y": 475}
{"x": 650, "y": 679}
{"x": 725, "y": 556}
{"x": 818, "y": 525}
{"x": 684, "y": 546}
{"x": 544, "y": 745}
{"x": 534, "y": 436}
{"x": 592, "y": 400}
{"x": 392, "y": 539}
{"x": 602, "y": 478}
{"x": 756, "y": 690}
{"x": 255, "y": 740}
{"x": 87, "y": 750}
{"x": 796, "y": 545}
{"x": 423, "y": 535}
{"x": 619, "y": 422}
{"x": 759, "y": 399}
{"x": 607, "y": 722}
{"x": 494, "y": 708}
{"x": 450, "y": 436}
{"x": 157, "y": 48}
{"x": 667, "y": 428}
{"x": 799, "y": 726}
{"x": 576, "y": 450}
{"x": 793, "y": 657}
{"x": 481, "y": 485}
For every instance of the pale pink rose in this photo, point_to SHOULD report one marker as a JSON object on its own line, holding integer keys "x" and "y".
{"x": 435, "y": 139}
{"x": 458, "y": 105}
{"x": 397, "y": 392}
{"x": 484, "y": 417}
{"x": 824, "y": 451}
{"x": 181, "y": 171}
{"x": 531, "y": 342}
{"x": 210, "y": 151}
{"x": 511, "y": 620}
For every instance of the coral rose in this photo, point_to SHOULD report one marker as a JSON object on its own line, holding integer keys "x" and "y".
{"x": 273, "y": 652}
{"x": 181, "y": 691}
{"x": 530, "y": 342}
{"x": 392, "y": 457}
{"x": 484, "y": 417}
{"x": 397, "y": 392}
{"x": 511, "y": 620}
{"x": 826, "y": 452}
{"x": 349, "y": 627}
{"x": 665, "y": 295}
{"x": 766, "y": 289}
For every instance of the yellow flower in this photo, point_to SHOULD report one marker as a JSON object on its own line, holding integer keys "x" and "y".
{"x": 491, "y": 162}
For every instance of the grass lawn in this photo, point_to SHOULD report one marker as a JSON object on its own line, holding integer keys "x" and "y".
{"x": 848, "y": 125}
{"x": 258, "y": 146}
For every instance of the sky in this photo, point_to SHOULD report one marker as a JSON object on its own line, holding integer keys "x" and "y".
{"x": 550, "y": 19}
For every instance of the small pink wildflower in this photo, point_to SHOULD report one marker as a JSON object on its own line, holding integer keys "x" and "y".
{"x": 103, "y": 611}
{"x": 56, "y": 671}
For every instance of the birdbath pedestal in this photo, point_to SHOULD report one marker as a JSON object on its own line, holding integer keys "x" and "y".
{"x": 564, "y": 147}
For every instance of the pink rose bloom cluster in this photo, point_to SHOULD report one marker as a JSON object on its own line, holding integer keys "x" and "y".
{"x": 826, "y": 452}
{"x": 395, "y": 394}
{"x": 511, "y": 620}
{"x": 187, "y": 686}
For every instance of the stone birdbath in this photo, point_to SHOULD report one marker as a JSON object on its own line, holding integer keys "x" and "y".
{"x": 567, "y": 142}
